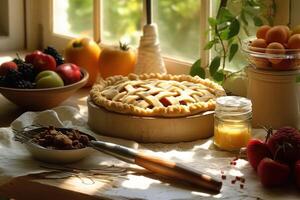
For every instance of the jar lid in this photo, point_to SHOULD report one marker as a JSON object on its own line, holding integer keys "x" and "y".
{"x": 233, "y": 105}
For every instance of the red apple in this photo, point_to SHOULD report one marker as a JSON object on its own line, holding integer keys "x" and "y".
{"x": 42, "y": 62}
{"x": 6, "y": 66}
{"x": 70, "y": 73}
{"x": 29, "y": 58}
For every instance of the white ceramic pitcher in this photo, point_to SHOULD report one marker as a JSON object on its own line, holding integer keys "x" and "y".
{"x": 275, "y": 97}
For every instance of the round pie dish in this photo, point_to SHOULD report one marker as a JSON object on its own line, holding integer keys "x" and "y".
{"x": 154, "y": 107}
{"x": 150, "y": 129}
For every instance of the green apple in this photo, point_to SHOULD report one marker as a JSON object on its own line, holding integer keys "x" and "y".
{"x": 48, "y": 79}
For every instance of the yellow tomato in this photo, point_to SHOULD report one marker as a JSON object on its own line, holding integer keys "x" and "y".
{"x": 116, "y": 61}
{"x": 84, "y": 52}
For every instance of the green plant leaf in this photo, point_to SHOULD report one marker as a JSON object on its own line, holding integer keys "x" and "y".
{"x": 219, "y": 76}
{"x": 197, "y": 70}
{"x": 210, "y": 44}
{"x": 257, "y": 21}
{"x": 234, "y": 28}
{"x": 224, "y": 34}
{"x": 232, "y": 51}
{"x": 214, "y": 65}
{"x": 212, "y": 21}
{"x": 224, "y": 15}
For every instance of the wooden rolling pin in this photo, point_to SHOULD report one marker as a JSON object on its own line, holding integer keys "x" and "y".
{"x": 159, "y": 165}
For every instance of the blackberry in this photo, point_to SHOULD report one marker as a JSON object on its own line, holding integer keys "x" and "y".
{"x": 53, "y": 52}
{"x": 18, "y": 61}
{"x": 27, "y": 71}
{"x": 2, "y": 81}
{"x": 12, "y": 77}
{"x": 23, "y": 84}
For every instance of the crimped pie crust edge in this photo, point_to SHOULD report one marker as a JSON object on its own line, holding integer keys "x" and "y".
{"x": 170, "y": 111}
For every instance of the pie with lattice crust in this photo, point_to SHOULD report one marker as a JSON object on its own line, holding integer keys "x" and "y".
{"x": 156, "y": 95}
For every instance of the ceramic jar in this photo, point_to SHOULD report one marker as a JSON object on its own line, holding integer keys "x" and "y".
{"x": 275, "y": 97}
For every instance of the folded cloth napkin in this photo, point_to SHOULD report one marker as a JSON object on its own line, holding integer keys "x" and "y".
{"x": 15, "y": 160}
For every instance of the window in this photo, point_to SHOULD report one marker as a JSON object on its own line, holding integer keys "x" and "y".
{"x": 121, "y": 20}
{"x": 73, "y": 17}
{"x": 179, "y": 28}
{"x": 182, "y": 25}
{"x": 110, "y": 21}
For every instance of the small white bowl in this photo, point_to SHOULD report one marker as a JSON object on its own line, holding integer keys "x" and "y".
{"x": 57, "y": 156}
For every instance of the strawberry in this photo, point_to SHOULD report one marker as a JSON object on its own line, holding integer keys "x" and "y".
{"x": 284, "y": 144}
{"x": 272, "y": 173}
{"x": 256, "y": 151}
{"x": 6, "y": 66}
{"x": 297, "y": 173}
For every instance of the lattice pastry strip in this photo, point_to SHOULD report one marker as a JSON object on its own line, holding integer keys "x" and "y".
{"x": 156, "y": 94}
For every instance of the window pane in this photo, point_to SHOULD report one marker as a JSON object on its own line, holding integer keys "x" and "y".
{"x": 73, "y": 17}
{"x": 179, "y": 28}
{"x": 121, "y": 21}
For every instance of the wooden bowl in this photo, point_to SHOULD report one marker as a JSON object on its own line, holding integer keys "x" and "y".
{"x": 150, "y": 129}
{"x": 41, "y": 99}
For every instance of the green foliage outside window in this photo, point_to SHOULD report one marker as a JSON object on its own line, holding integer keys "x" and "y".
{"x": 178, "y": 23}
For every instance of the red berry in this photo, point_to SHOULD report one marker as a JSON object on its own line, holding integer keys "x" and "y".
{"x": 272, "y": 173}
{"x": 165, "y": 102}
{"x": 5, "y": 67}
{"x": 284, "y": 144}
{"x": 256, "y": 151}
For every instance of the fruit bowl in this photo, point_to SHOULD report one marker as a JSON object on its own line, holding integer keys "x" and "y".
{"x": 271, "y": 59}
{"x": 41, "y": 99}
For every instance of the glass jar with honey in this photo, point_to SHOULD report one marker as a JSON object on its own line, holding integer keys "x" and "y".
{"x": 232, "y": 126}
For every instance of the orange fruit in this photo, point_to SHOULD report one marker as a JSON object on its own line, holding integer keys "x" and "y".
{"x": 262, "y": 31}
{"x": 84, "y": 52}
{"x": 285, "y": 64}
{"x": 258, "y": 45}
{"x": 294, "y": 42}
{"x": 287, "y": 30}
{"x": 277, "y": 34}
{"x": 116, "y": 61}
{"x": 275, "y": 48}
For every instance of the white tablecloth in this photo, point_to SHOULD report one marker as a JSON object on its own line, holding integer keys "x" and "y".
{"x": 202, "y": 155}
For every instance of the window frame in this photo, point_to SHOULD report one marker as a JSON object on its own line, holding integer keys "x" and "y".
{"x": 174, "y": 66}
{"x": 44, "y": 25}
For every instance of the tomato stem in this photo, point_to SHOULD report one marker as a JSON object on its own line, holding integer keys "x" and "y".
{"x": 124, "y": 46}
{"x": 77, "y": 44}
